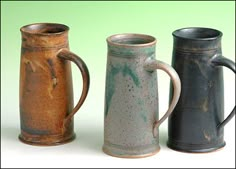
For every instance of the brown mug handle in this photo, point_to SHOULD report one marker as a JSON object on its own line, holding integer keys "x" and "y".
{"x": 67, "y": 55}
{"x": 151, "y": 65}
{"x": 222, "y": 61}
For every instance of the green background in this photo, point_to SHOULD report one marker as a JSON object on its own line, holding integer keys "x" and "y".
{"x": 90, "y": 24}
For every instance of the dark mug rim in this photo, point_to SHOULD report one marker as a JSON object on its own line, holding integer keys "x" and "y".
{"x": 47, "y": 29}
{"x": 131, "y": 40}
{"x": 197, "y": 33}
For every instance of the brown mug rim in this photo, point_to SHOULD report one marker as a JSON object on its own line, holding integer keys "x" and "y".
{"x": 64, "y": 28}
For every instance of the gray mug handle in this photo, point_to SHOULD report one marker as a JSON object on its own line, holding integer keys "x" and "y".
{"x": 222, "y": 61}
{"x": 151, "y": 65}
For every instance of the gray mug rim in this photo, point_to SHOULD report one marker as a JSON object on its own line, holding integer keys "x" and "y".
{"x": 112, "y": 40}
{"x": 179, "y": 33}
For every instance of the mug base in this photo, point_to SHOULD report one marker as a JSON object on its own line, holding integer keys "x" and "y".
{"x": 193, "y": 149}
{"x": 49, "y": 142}
{"x": 129, "y": 155}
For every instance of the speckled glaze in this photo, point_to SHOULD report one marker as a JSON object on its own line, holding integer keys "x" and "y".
{"x": 46, "y": 91}
{"x": 131, "y": 97}
{"x": 197, "y": 122}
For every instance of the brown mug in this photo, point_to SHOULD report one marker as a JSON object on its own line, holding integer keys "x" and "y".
{"x": 46, "y": 89}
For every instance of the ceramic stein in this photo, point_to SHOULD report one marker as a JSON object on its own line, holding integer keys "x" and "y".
{"x": 46, "y": 91}
{"x": 131, "y": 97}
{"x": 197, "y": 122}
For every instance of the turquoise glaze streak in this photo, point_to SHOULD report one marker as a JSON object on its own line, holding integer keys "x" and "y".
{"x": 126, "y": 71}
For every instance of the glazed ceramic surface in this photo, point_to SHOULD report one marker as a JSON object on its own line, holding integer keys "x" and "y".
{"x": 46, "y": 90}
{"x": 197, "y": 122}
{"x": 131, "y": 96}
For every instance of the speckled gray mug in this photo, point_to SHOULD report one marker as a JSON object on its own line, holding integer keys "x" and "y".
{"x": 131, "y": 96}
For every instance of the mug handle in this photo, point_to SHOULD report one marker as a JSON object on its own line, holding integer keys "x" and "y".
{"x": 67, "y": 55}
{"x": 151, "y": 65}
{"x": 222, "y": 61}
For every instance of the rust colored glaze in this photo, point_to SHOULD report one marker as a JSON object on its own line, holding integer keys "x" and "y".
{"x": 46, "y": 90}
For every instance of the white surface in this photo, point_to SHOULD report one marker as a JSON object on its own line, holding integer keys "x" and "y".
{"x": 85, "y": 151}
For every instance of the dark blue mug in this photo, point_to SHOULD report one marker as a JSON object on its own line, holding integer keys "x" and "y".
{"x": 197, "y": 122}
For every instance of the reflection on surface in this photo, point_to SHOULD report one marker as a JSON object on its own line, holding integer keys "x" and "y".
{"x": 9, "y": 133}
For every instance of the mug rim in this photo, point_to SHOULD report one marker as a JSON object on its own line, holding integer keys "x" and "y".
{"x": 179, "y": 33}
{"x": 112, "y": 40}
{"x": 26, "y": 29}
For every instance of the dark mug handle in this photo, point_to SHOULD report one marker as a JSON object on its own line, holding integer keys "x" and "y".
{"x": 65, "y": 54}
{"x": 153, "y": 64}
{"x": 222, "y": 61}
